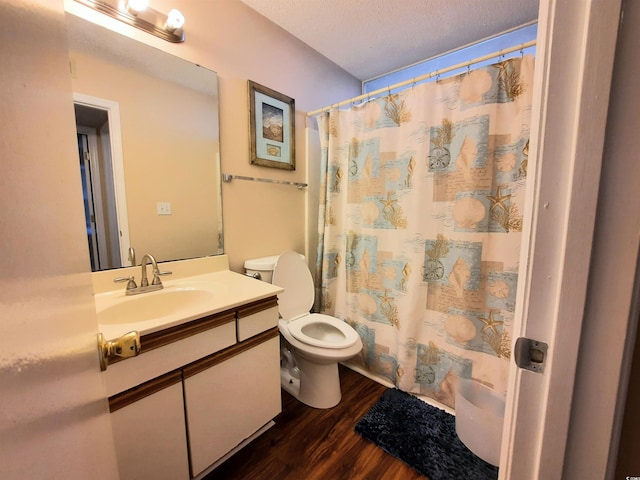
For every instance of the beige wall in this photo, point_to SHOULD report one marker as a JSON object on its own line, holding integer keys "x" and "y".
{"x": 264, "y": 219}
{"x": 230, "y": 38}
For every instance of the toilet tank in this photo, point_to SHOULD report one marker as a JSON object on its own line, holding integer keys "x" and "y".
{"x": 261, "y": 268}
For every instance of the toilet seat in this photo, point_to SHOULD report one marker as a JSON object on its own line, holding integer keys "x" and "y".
{"x": 316, "y": 329}
{"x": 323, "y": 331}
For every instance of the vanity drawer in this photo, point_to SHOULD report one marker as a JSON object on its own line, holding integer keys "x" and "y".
{"x": 172, "y": 349}
{"x": 257, "y": 317}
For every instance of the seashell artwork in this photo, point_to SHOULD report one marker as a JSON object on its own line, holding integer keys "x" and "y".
{"x": 468, "y": 212}
{"x": 506, "y": 162}
{"x": 459, "y": 276}
{"x": 369, "y": 212}
{"x": 499, "y": 289}
{"x": 466, "y": 157}
{"x": 460, "y": 329}
{"x": 367, "y": 304}
{"x": 474, "y": 85}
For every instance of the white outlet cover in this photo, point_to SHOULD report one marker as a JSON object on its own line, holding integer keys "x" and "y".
{"x": 164, "y": 208}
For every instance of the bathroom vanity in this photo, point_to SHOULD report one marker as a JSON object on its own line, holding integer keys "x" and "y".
{"x": 207, "y": 379}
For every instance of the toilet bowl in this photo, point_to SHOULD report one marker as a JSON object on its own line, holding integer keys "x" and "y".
{"x": 317, "y": 341}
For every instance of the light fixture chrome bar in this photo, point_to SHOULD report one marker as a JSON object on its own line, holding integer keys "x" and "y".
{"x": 227, "y": 177}
{"x": 150, "y": 20}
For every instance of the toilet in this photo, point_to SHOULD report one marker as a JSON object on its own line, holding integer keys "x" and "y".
{"x": 312, "y": 343}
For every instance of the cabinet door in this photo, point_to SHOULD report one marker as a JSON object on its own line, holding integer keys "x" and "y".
{"x": 231, "y": 400}
{"x": 150, "y": 437}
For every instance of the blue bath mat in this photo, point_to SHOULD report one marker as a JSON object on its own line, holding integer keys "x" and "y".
{"x": 423, "y": 437}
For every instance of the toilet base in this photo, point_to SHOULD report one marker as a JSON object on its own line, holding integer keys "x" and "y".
{"x": 288, "y": 383}
{"x": 318, "y": 386}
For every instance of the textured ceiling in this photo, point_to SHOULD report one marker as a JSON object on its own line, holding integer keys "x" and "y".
{"x": 368, "y": 38}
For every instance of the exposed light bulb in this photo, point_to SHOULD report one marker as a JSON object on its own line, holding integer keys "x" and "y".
{"x": 175, "y": 20}
{"x": 137, "y": 6}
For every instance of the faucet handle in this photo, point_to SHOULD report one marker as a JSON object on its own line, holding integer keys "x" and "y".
{"x": 156, "y": 276}
{"x": 131, "y": 282}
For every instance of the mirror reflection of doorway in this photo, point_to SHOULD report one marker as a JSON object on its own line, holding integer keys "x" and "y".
{"x": 87, "y": 197}
{"x": 95, "y": 160}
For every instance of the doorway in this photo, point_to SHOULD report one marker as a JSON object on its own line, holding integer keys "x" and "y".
{"x": 93, "y": 215}
{"x": 101, "y": 172}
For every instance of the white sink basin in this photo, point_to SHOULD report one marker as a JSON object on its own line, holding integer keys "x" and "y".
{"x": 185, "y": 297}
{"x": 153, "y": 305}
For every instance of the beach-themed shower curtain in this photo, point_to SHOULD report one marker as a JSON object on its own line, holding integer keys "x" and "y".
{"x": 420, "y": 226}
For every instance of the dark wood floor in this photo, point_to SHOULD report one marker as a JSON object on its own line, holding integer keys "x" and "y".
{"x": 311, "y": 444}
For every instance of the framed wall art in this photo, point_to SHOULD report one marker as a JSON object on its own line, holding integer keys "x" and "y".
{"x": 271, "y": 128}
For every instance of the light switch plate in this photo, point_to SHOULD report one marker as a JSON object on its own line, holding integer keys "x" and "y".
{"x": 164, "y": 208}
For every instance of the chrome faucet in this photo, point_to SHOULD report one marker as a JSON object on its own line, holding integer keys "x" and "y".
{"x": 144, "y": 282}
{"x": 156, "y": 283}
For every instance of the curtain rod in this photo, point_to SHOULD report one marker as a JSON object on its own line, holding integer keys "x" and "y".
{"x": 420, "y": 78}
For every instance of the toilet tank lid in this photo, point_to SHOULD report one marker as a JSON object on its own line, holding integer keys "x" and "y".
{"x": 262, "y": 263}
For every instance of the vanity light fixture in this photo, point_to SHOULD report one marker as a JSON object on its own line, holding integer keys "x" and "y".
{"x": 175, "y": 20}
{"x": 136, "y": 6}
{"x": 137, "y": 13}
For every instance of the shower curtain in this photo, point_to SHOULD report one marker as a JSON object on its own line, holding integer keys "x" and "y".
{"x": 420, "y": 226}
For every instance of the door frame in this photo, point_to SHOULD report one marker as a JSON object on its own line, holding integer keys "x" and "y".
{"x": 569, "y": 114}
{"x": 117, "y": 162}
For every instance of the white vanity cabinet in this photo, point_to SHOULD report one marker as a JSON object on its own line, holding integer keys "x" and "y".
{"x": 181, "y": 418}
{"x": 228, "y": 399}
{"x": 150, "y": 434}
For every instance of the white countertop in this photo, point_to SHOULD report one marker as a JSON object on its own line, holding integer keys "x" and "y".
{"x": 223, "y": 290}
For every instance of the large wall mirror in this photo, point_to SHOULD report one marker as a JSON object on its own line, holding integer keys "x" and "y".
{"x": 148, "y": 149}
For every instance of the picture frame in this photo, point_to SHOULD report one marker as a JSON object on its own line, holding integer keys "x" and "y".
{"x": 271, "y": 128}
